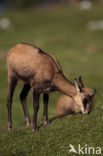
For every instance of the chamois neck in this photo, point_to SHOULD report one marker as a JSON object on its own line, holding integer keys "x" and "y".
{"x": 64, "y": 85}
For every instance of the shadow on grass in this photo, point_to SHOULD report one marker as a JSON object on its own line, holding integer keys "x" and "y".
{"x": 54, "y": 118}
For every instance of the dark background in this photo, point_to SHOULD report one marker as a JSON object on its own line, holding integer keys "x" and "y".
{"x": 33, "y": 3}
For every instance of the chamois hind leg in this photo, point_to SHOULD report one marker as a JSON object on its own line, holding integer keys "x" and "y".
{"x": 45, "y": 112}
{"x": 23, "y": 97}
{"x": 12, "y": 81}
{"x": 36, "y": 95}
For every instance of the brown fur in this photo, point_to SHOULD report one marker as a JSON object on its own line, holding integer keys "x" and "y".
{"x": 37, "y": 68}
{"x": 67, "y": 105}
{"x": 39, "y": 71}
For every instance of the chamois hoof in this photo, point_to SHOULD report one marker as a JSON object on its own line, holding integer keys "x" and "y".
{"x": 28, "y": 122}
{"x": 34, "y": 130}
{"x": 10, "y": 127}
{"x": 46, "y": 123}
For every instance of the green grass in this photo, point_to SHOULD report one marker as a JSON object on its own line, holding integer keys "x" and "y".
{"x": 62, "y": 32}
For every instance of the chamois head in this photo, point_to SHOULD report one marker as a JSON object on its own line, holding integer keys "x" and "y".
{"x": 84, "y": 96}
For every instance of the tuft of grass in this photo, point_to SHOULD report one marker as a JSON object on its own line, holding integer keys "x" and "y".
{"x": 62, "y": 32}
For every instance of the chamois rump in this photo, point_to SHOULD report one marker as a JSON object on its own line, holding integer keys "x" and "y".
{"x": 39, "y": 71}
{"x": 66, "y": 104}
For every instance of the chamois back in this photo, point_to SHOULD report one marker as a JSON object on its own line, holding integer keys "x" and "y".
{"x": 31, "y": 64}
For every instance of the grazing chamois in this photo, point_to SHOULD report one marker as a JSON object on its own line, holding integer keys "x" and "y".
{"x": 67, "y": 105}
{"x": 39, "y": 71}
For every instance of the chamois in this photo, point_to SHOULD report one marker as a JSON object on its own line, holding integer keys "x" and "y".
{"x": 66, "y": 104}
{"x": 39, "y": 71}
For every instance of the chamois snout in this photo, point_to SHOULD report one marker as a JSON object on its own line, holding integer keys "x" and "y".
{"x": 88, "y": 100}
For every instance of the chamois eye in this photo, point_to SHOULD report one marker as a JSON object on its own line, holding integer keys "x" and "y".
{"x": 85, "y": 101}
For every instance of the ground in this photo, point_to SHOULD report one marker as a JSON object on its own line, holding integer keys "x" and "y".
{"x": 63, "y": 32}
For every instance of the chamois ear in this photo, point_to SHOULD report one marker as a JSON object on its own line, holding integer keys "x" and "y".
{"x": 81, "y": 82}
{"x": 77, "y": 86}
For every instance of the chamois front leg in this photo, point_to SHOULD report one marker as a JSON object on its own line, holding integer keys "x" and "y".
{"x": 45, "y": 112}
{"x": 12, "y": 81}
{"x": 36, "y": 95}
{"x": 23, "y": 97}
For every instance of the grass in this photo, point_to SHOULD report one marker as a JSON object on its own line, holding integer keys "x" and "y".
{"x": 62, "y": 32}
